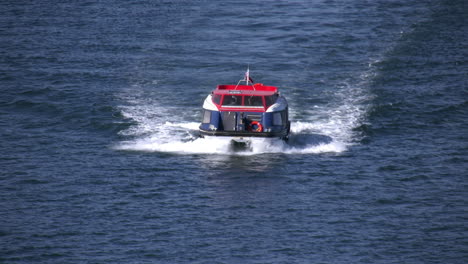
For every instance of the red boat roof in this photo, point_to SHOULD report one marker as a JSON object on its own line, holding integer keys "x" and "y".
{"x": 255, "y": 89}
{"x": 245, "y": 98}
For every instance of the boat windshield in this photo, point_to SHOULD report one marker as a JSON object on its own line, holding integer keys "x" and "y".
{"x": 243, "y": 100}
{"x": 233, "y": 100}
{"x": 253, "y": 101}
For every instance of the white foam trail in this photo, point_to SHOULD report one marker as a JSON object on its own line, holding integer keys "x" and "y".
{"x": 152, "y": 133}
{"x": 260, "y": 146}
{"x": 222, "y": 145}
{"x": 325, "y": 128}
{"x": 199, "y": 145}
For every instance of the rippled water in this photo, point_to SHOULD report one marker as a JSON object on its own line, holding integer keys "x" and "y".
{"x": 101, "y": 162}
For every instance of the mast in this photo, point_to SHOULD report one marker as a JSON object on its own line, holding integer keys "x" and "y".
{"x": 247, "y": 78}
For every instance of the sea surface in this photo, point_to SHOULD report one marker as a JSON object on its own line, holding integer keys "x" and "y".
{"x": 100, "y": 159}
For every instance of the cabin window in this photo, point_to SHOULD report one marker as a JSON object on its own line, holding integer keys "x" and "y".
{"x": 270, "y": 100}
{"x": 206, "y": 117}
{"x": 277, "y": 120}
{"x": 232, "y": 100}
{"x": 216, "y": 99}
{"x": 253, "y": 101}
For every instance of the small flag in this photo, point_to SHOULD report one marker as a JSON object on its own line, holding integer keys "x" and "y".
{"x": 247, "y": 76}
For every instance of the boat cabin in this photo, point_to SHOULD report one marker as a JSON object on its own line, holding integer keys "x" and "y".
{"x": 253, "y": 110}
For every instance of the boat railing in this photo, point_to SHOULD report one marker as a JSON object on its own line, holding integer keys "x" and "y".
{"x": 246, "y": 83}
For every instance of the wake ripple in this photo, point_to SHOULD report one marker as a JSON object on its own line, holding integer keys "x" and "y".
{"x": 189, "y": 143}
{"x": 329, "y": 128}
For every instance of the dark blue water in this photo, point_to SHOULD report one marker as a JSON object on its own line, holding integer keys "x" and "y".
{"x": 100, "y": 103}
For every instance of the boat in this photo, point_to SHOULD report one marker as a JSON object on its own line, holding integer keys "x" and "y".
{"x": 245, "y": 111}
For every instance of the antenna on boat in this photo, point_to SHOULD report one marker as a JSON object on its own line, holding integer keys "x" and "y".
{"x": 247, "y": 78}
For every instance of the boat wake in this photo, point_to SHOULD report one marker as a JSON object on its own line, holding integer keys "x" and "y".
{"x": 153, "y": 132}
{"x": 184, "y": 140}
{"x": 329, "y": 128}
